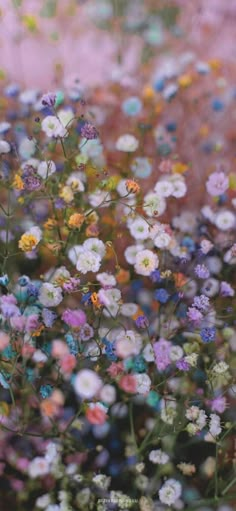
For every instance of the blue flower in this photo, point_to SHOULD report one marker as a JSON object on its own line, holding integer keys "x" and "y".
{"x": 208, "y": 334}
{"x": 72, "y": 344}
{"x": 23, "y": 280}
{"x": 46, "y": 390}
{"x": 132, "y": 106}
{"x": 161, "y": 295}
{"x": 4, "y": 280}
{"x": 48, "y": 317}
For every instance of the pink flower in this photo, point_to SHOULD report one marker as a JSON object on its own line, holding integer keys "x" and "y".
{"x": 162, "y": 354}
{"x": 68, "y": 363}
{"x": 59, "y": 349}
{"x": 217, "y": 183}
{"x": 32, "y": 323}
{"x": 74, "y": 318}
{"x": 4, "y": 340}
{"x": 128, "y": 383}
{"x": 96, "y": 414}
{"x": 115, "y": 369}
{"x": 18, "y": 323}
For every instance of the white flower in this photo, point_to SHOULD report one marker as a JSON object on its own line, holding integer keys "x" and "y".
{"x": 49, "y": 295}
{"x": 139, "y": 229}
{"x": 214, "y": 426}
{"x": 27, "y": 148}
{"x": 53, "y": 127}
{"x": 88, "y": 260}
{"x": 148, "y": 353}
{"x": 170, "y": 492}
{"x": 210, "y": 287}
{"x": 66, "y": 115}
{"x": 220, "y": 368}
{"x": 192, "y": 413}
{"x": 180, "y": 188}
{"x": 4, "y": 147}
{"x": 98, "y": 198}
{"x": 128, "y": 343}
{"x": 176, "y": 353}
{"x": 43, "y": 501}
{"x": 143, "y": 383}
{"x": 158, "y": 457}
{"x": 74, "y": 252}
{"x": 39, "y": 357}
{"x": 46, "y": 169}
{"x": 185, "y": 222}
{"x": 131, "y": 252}
{"x": 108, "y": 394}
{"x": 127, "y": 143}
{"x": 164, "y": 188}
{"x": 128, "y": 309}
{"x": 160, "y": 237}
{"x": 146, "y": 262}
{"x": 87, "y": 384}
{"x": 214, "y": 264}
{"x": 75, "y": 182}
{"x": 154, "y": 204}
{"x": 122, "y": 190}
{"x": 191, "y": 359}
{"x": 95, "y": 245}
{"x": 225, "y": 220}
{"x": 106, "y": 279}
{"x": 168, "y": 411}
{"x": 208, "y": 213}
{"x": 38, "y": 467}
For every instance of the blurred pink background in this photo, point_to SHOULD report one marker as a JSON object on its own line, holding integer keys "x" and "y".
{"x": 41, "y": 52}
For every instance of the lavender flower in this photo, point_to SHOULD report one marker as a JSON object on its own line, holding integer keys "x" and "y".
{"x": 202, "y": 271}
{"x": 89, "y": 131}
{"x": 49, "y": 99}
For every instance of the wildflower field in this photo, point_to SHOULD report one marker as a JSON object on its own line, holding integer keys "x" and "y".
{"x": 117, "y": 256}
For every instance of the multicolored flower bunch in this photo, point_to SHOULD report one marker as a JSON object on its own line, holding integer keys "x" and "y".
{"x": 117, "y": 306}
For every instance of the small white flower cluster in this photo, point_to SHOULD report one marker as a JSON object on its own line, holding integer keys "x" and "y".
{"x": 198, "y": 420}
{"x": 170, "y": 492}
{"x": 87, "y": 257}
{"x": 158, "y": 457}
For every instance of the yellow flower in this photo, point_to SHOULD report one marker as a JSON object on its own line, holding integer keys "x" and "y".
{"x": 185, "y": 80}
{"x": 50, "y": 223}
{"x": 179, "y": 168}
{"x": 28, "y": 242}
{"x": 18, "y": 183}
{"x": 148, "y": 92}
{"x": 75, "y": 221}
{"x": 66, "y": 194}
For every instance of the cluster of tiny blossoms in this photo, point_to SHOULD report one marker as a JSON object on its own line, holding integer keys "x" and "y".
{"x": 117, "y": 306}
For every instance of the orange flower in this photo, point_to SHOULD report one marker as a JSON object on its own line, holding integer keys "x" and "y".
{"x": 28, "y": 242}
{"x": 180, "y": 279}
{"x": 18, "y": 183}
{"x": 76, "y": 220}
{"x": 95, "y": 300}
{"x": 49, "y": 407}
{"x": 122, "y": 276}
{"x": 132, "y": 186}
{"x": 50, "y": 223}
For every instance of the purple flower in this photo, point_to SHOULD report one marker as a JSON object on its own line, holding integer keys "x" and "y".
{"x": 226, "y": 289}
{"x": 194, "y": 315}
{"x": 89, "y": 131}
{"x": 201, "y": 302}
{"x": 48, "y": 317}
{"x": 8, "y": 306}
{"x": 74, "y": 318}
{"x": 208, "y": 334}
{"x": 71, "y": 285}
{"x": 202, "y": 271}
{"x": 49, "y": 99}
{"x": 30, "y": 179}
{"x": 182, "y": 365}
{"x": 142, "y": 322}
{"x": 217, "y": 183}
{"x": 86, "y": 332}
{"x": 162, "y": 354}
